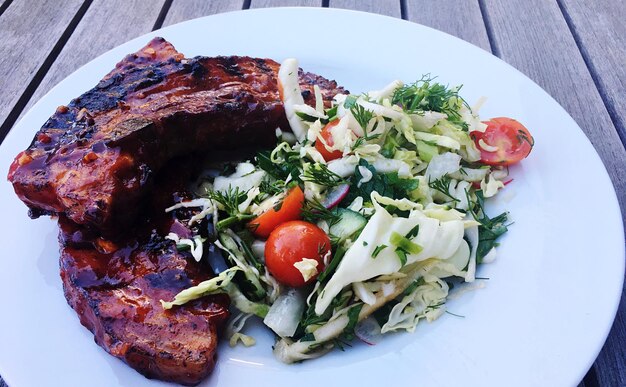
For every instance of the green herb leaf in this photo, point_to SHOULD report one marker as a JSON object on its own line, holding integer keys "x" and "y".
{"x": 377, "y": 250}
{"x": 353, "y": 319}
{"x": 490, "y": 229}
{"x": 320, "y": 174}
{"x": 389, "y": 185}
{"x": 442, "y": 185}
{"x": 426, "y": 95}
{"x": 401, "y": 255}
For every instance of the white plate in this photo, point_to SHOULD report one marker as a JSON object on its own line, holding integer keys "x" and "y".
{"x": 552, "y": 293}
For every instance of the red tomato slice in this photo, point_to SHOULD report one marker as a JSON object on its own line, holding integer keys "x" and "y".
{"x": 288, "y": 244}
{"x": 290, "y": 209}
{"x": 512, "y": 140}
{"x": 328, "y": 138}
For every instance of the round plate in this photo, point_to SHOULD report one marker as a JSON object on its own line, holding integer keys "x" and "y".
{"x": 552, "y": 293}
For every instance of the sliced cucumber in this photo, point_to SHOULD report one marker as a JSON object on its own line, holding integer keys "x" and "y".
{"x": 350, "y": 222}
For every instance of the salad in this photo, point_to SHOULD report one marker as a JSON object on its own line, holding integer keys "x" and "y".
{"x": 357, "y": 223}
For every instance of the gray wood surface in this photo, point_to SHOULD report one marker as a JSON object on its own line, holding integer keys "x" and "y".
{"x": 131, "y": 19}
{"x": 26, "y": 42}
{"x": 600, "y": 31}
{"x": 460, "y": 18}
{"x": 284, "y": 3}
{"x": 182, "y": 10}
{"x": 537, "y": 41}
{"x": 383, "y": 7}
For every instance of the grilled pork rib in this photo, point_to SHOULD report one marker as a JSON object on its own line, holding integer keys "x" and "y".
{"x": 95, "y": 159}
{"x": 108, "y": 164}
{"x": 115, "y": 288}
{"x": 116, "y": 295}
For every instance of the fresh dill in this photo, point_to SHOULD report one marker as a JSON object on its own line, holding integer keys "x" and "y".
{"x": 314, "y": 211}
{"x": 442, "y": 185}
{"x": 270, "y": 188}
{"x": 230, "y": 199}
{"x": 320, "y": 174}
{"x": 427, "y": 95}
{"x": 361, "y": 115}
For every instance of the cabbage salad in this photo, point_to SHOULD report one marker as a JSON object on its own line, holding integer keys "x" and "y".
{"x": 393, "y": 179}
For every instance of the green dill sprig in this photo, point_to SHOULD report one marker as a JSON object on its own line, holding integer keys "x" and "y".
{"x": 230, "y": 200}
{"x": 320, "y": 174}
{"x": 361, "y": 115}
{"x": 313, "y": 211}
{"x": 271, "y": 188}
{"x": 442, "y": 185}
{"x": 426, "y": 95}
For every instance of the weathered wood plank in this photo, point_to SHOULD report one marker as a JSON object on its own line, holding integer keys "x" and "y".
{"x": 383, "y": 7}
{"x": 35, "y": 36}
{"x": 3, "y": 6}
{"x": 537, "y": 41}
{"x": 182, "y": 10}
{"x": 461, "y": 18}
{"x": 600, "y": 32}
{"x": 131, "y": 19}
{"x": 285, "y": 3}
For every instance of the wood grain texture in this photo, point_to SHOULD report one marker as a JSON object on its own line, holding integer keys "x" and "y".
{"x": 383, "y": 7}
{"x": 461, "y": 18}
{"x": 26, "y": 42}
{"x": 537, "y": 41}
{"x": 601, "y": 35}
{"x": 600, "y": 32}
{"x": 284, "y": 3}
{"x": 182, "y": 10}
{"x": 131, "y": 19}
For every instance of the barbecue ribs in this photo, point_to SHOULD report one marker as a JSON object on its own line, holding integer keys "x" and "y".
{"x": 111, "y": 161}
{"x": 95, "y": 158}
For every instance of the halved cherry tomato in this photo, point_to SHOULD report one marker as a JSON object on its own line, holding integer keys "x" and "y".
{"x": 328, "y": 138}
{"x": 288, "y": 244}
{"x": 290, "y": 209}
{"x": 512, "y": 140}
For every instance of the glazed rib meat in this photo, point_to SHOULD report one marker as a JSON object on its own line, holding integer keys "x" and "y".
{"x": 95, "y": 159}
{"x": 115, "y": 288}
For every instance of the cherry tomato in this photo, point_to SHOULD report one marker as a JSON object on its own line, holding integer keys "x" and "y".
{"x": 290, "y": 209}
{"x": 512, "y": 140}
{"x": 328, "y": 138}
{"x": 288, "y": 244}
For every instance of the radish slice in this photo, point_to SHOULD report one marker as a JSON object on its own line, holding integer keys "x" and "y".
{"x": 368, "y": 331}
{"x": 336, "y": 195}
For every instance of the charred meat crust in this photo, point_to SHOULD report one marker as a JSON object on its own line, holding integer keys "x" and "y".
{"x": 116, "y": 295}
{"x": 115, "y": 288}
{"x": 95, "y": 159}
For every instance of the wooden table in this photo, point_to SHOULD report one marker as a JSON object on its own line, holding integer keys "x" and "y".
{"x": 574, "y": 49}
